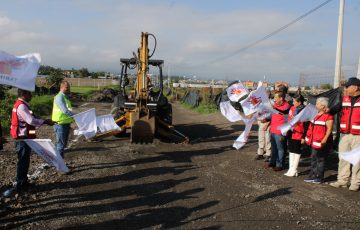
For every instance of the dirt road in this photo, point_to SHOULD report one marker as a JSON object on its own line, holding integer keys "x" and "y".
{"x": 203, "y": 185}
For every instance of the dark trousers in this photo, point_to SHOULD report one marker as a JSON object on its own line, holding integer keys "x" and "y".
{"x": 62, "y": 136}
{"x": 318, "y": 163}
{"x": 277, "y": 150}
{"x": 23, "y": 151}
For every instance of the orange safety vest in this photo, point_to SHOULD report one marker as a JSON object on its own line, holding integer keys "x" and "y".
{"x": 298, "y": 129}
{"x": 350, "y": 116}
{"x": 15, "y": 123}
{"x": 317, "y": 130}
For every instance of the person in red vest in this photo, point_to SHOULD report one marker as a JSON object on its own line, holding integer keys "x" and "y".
{"x": 350, "y": 130}
{"x": 23, "y": 125}
{"x": 277, "y": 140}
{"x": 319, "y": 138}
{"x": 297, "y": 136}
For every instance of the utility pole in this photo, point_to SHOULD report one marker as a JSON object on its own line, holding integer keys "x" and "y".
{"x": 339, "y": 45}
{"x": 358, "y": 73}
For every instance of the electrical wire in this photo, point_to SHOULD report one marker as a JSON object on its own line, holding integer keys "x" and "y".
{"x": 271, "y": 34}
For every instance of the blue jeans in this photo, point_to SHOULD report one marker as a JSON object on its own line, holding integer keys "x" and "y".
{"x": 23, "y": 151}
{"x": 277, "y": 149}
{"x": 62, "y": 136}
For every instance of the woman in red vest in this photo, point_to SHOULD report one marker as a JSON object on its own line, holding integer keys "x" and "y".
{"x": 297, "y": 136}
{"x": 319, "y": 138}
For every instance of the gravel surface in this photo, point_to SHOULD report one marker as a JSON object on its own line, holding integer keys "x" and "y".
{"x": 202, "y": 185}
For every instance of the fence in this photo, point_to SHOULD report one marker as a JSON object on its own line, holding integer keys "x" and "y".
{"x": 91, "y": 82}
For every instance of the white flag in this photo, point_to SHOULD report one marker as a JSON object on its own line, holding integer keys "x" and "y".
{"x": 106, "y": 123}
{"x": 86, "y": 122}
{"x": 307, "y": 114}
{"x": 257, "y": 99}
{"x": 244, "y": 136}
{"x": 228, "y": 111}
{"x": 353, "y": 156}
{"x": 236, "y": 91}
{"x": 46, "y": 150}
{"x": 19, "y": 71}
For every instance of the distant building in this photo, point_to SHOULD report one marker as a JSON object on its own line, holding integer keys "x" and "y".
{"x": 249, "y": 84}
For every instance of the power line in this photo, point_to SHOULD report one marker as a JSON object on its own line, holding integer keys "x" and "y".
{"x": 271, "y": 34}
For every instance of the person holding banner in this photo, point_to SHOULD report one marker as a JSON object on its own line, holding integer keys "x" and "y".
{"x": 297, "y": 136}
{"x": 264, "y": 149}
{"x": 61, "y": 114}
{"x": 319, "y": 138}
{"x": 278, "y": 141}
{"x": 23, "y": 125}
{"x": 350, "y": 128}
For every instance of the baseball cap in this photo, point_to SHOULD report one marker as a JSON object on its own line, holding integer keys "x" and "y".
{"x": 352, "y": 81}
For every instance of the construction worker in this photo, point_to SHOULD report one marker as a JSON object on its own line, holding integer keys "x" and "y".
{"x": 23, "y": 125}
{"x": 350, "y": 128}
{"x": 61, "y": 114}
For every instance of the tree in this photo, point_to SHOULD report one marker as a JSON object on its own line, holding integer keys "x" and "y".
{"x": 94, "y": 75}
{"x": 83, "y": 72}
{"x": 55, "y": 77}
{"x": 326, "y": 86}
{"x": 45, "y": 70}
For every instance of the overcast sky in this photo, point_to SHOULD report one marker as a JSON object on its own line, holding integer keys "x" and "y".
{"x": 190, "y": 34}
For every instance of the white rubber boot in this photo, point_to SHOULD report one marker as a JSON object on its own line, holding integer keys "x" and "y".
{"x": 296, "y": 160}
{"x": 291, "y": 159}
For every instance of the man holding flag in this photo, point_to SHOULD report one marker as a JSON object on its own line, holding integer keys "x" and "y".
{"x": 23, "y": 125}
{"x": 61, "y": 114}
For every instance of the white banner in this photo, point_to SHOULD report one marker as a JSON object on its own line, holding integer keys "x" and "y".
{"x": 307, "y": 114}
{"x": 257, "y": 99}
{"x": 86, "y": 122}
{"x": 236, "y": 91}
{"x": 353, "y": 156}
{"x": 106, "y": 123}
{"x": 228, "y": 111}
{"x": 19, "y": 71}
{"x": 46, "y": 150}
{"x": 244, "y": 136}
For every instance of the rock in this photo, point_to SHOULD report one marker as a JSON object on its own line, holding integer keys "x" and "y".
{"x": 247, "y": 196}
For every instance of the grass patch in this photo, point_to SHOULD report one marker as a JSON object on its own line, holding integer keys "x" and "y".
{"x": 202, "y": 108}
{"x": 83, "y": 90}
{"x": 42, "y": 105}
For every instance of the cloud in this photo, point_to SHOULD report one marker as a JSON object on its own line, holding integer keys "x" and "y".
{"x": 96, "y": 35}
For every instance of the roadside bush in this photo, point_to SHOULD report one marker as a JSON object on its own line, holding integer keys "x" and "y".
{"x": 6, "y": 105}
{"x": 42, "y": 105}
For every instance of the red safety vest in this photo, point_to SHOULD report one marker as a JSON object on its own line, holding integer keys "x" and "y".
{"x": 350, "y": 116}
{"x": 278, "y": 119}
{"x": 317, "y": 130}
{"x": 15, "y": 124}
{"x": 298, "y": 129}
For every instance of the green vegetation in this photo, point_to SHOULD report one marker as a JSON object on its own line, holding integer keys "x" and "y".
{"x": 6, "y": 105}
{"x": 202, "y": 108}
{"x": 84, "y": 90}
{"x": 40, "y": 105}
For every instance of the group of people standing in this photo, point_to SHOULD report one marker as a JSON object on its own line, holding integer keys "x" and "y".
{"x": 315, "y": 134}
{"x": 24, "y": 123}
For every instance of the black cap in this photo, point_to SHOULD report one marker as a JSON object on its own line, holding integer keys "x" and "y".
{"x": 352, "y": 81}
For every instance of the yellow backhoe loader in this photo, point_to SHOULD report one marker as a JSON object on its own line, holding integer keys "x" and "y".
{"x": 143, "y": 110}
